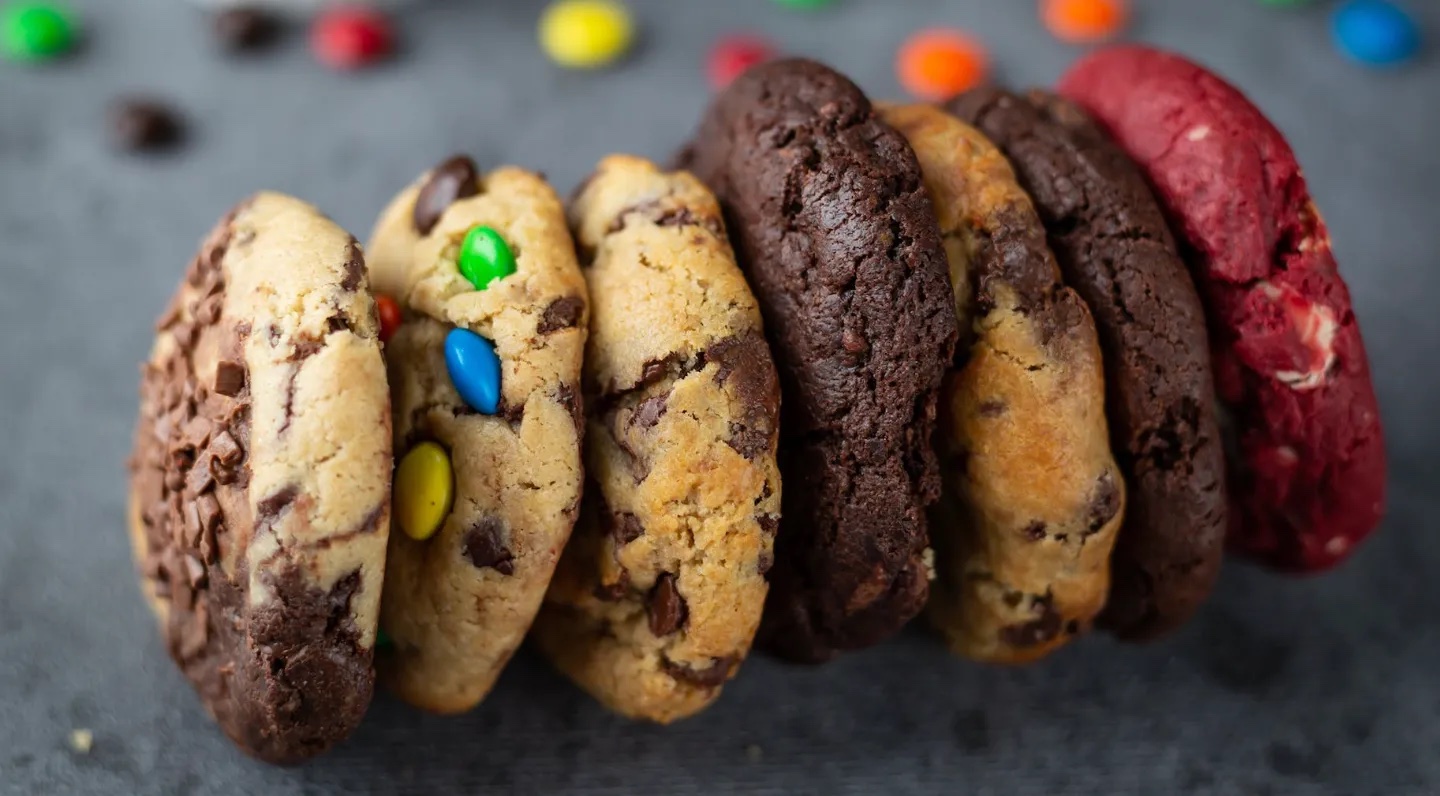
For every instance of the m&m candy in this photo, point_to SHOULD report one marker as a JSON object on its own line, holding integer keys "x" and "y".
{"x": 732, "y": 55}
{"x": 1376, "y": 32}
{"x": 35, "y": 31}
{"x": 585, "y": 34}
{"x": 349, "y": 37}
{"x": 485, "y": 256}
{"x": 424, "y": 490}
{"x": 389, "y": 311}
{"x": 1085, "y": 21}
{"x": 936, "y": 65}
{"x": 474, "y": 369}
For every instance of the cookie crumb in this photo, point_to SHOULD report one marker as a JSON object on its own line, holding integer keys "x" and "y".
{"x": 82, "y": 741}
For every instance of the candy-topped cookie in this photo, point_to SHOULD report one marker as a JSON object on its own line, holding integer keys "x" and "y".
{"x": 660, "y": 593}
{"x": 1115, "y": 249}
{"x": 1307, "y": 475}
{"x": 833, "y": 228}
{"x": 260, "y": 480}
{"x": 1033, "y": 497}
{"x": 485, "y": 378}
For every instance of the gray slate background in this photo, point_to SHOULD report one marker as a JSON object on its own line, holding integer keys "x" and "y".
{"x": 1319, "y": 686}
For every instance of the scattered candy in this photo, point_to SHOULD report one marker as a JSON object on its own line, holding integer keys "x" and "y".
{"x": 245, "y": 29}
{"x": 805, "y": 4}
{"x": 35, "y": 31}
{"x": 732, "y": 55}
{"x": 585, "y": 34}
{"x": 143, "y": 125}
{"x": 485, "y": 257}
{"x": 936, "y": 65}
{"x": 474, "y": 369}
{"x": 1085, "y": 21}
{"x": 351, "y": 37}
{"x": 1376, "y": 32}
{"x": 424, "y": 490}
{"x": 389, "y": 312}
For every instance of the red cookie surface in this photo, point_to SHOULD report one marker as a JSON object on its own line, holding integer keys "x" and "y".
{"x": 1308, "y": 459}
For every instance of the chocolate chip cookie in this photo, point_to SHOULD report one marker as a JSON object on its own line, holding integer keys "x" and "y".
{"x": 833, "y": 227}
{"x": 260, "y": 479}
{"x": 1115, "y": 250}
{"x": 660, "y": 593}
{"x": 485, "y": 378}
{"x": 1033, "y": 497}
{"x": 1307, "y": 474}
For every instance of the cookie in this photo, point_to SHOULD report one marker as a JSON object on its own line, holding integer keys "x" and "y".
{"x": 260, "y": 479}
{"x": 1115, "y": 249}
{"x": 1033, "y": 499}
{"x": 1307, "y": 470}
{"x": 660, "y": 593}
{"x": 833, "y": 228}
{"x": 485, "y": 380}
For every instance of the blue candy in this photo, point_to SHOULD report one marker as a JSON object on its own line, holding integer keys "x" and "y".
{"x": 474, "y": 369}
{"x": 1376, "y": 32}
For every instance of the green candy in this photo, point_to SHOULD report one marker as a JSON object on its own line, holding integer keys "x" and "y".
{"x": 35, "y": 31}
{"x": 485, "y": 257}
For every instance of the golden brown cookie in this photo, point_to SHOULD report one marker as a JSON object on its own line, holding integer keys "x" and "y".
{"x": 260, "y": 488}
{"x": 1033, "y": 498}
{"x": 459, "y": 602}
{"x": 660, "y": 593}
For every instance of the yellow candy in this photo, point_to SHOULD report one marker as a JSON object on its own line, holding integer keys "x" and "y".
{"x": 585, "y": 34}
{"x": 424, "y": 490}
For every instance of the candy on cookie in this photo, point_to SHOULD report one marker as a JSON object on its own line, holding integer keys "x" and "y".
{"x": 660, "y": 593}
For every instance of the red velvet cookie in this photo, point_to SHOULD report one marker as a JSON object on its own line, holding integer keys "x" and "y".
{"x": 1308, "y": 460}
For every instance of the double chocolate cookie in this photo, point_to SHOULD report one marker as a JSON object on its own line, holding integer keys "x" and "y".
{"x": 660, "y": 592}
{"x": 1115, "y": 249}
{"x": 1033, "y": 497}
{"x": 832, "y": 225}
{"x": 260, "y": 488}
{"x": 485, "y": 378}
{"x": 1307, "y": 476}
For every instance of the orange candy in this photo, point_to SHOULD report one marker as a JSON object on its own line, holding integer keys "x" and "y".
{"x": 936, "y": 65}
{"x": 1085, "y": 21}
{"x": 390, "y": 319}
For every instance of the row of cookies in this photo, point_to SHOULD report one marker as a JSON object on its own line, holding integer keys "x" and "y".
{"x": 997, "y": 390}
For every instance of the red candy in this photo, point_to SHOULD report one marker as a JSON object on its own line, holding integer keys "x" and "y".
{"x": 732, "y": 55}
{"x": 389, "y": 316}
{"x": 350, "y": 38}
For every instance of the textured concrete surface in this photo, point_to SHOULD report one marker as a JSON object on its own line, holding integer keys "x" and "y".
{"x": 1317, "y": 686}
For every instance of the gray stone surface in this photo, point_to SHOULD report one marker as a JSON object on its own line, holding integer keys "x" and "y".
{"x": 1314, "y": 686}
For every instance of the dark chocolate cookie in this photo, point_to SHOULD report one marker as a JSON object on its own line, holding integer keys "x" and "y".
{"x": 1116, "y": 251}
{"x": 834, "y": 229}
{"x": 260, "y": 480}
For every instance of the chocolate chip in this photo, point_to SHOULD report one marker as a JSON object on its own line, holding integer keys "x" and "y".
{"x": 245, "y": 29}
{"x": 354, "y": 269}
{"x": 268, "y": 509}
{"x": 143, "y": 125}
{"x": 1035, "y": 632}
{"x": 1104, "y": 503}
{"x": 649, "y": 411}
{"x": 765, "y": 562}
{"x": 685, "y": 217}
{"x": 992, "y": 408}
{"x": 449, "y": 182}
{"x": 563, "y": 313}
{"x": 655, "y": 369}
{"x": 768, "y": 525}
{"x": 570, "y": 399}
{"x": 1035, "y": 531}
{"x": 229, "y": 378}
{"x": 666, "y": 607}
{"x": 485, "y": 547}
{"x": 709, "y": 677}
{"x": 623, "y": 527}
{"x": 744, "y": 365}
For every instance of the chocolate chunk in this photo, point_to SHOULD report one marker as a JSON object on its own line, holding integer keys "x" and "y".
{"x": 208, "y": 510}
{"x": 992, "y": 408}
{"x": 685, "y": 217}
{"x": 1035, "y": 531}
{"x": 709, "y": 677}
{"x": 563, "y": 313}
{"x": 246, "y": 29}
{"x": 229, "y": 377}
{"x": 449, "y": 182}
{"x": 655, "y": 369}
{"x": 666, "y": 607}
{"x": 1037, "y": 631}
{"x": 193, "y": 526}
{"x": 196, "y": 432}
{"x": 200, "y": 479}
{"x": 853, "y": 342}
{"x": 649, "y": 411}
{"x": 143, "y": 125}
{"x": 354, "y": 269}
{"x": 485, "y": 547}
{"x": 225, "y": 450}
{"x": 270, "y": 508}
{"x": 570, "y": 399}
{"x": 623, "y": 527}
{"x": 745, "y": 367}
{"x": 1104, "y": 503}
{"x": 765, "y": 562}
